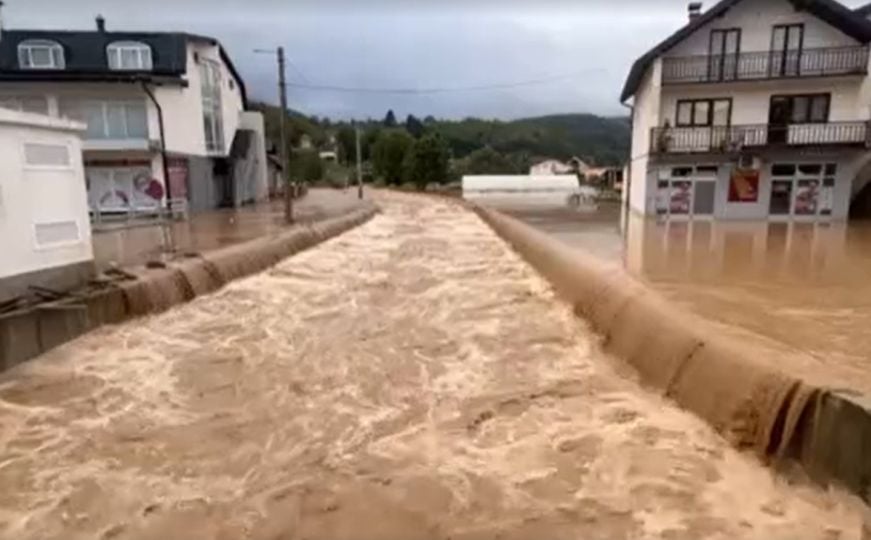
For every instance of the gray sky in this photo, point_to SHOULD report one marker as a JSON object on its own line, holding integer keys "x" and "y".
{"x": 590, "y": 44}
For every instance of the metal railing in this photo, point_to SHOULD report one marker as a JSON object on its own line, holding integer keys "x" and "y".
{"x": 716, "y": 139}
{"x": 762, "y": 65}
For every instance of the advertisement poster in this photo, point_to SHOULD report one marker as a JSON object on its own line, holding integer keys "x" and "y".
{"x": 807, "y": 197}
{"x": 178, "y": 178}
{"x": 744, "y": 186}
{"x": 681, "y": 197}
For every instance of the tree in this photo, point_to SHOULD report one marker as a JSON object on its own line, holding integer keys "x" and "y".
{"x": 390, "y": 119}
{"x": 306, "y": 166}
{"x": 487, "y": 161}
{"x": 427, "y": 161}
{"x": 346, "y": 140}
{"x": 388, "y": 155}
{"x": 414, "y": 127}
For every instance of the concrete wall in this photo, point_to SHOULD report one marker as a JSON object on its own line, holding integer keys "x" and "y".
{"x": 253, "y": 121}
{"x": 44, "y": 220}
{"x": 645, "y": 116}
{"x": 756, "y": 18}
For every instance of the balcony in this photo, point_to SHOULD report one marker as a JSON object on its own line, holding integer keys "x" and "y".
{"x": 766, "y": 65}
{"x": 730, "y": 139}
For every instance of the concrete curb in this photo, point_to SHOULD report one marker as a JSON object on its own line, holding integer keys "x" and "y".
{"x": 751, "y": 403}
{"x": 28, "y": 333}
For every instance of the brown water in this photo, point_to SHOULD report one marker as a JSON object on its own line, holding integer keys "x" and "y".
{"x": 799, "y": 291}
{"x": 411, "y": 379}
{"x": 134, "y": 244}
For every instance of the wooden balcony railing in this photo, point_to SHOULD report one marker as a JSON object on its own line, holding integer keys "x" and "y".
{"x": 763, "y": 65}
{"x": 726, "y": 139}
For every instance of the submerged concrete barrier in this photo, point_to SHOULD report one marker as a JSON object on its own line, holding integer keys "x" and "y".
{"x": 28, "y": 333}
{"x": 750, "y": 402}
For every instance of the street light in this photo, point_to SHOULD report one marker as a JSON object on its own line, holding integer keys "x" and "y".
{"x": 282, "y": 94}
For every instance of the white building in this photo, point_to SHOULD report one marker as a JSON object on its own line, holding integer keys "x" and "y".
{"x": 756, "y": 109}
{"x": 554, "y": 166}
{"x": 122, "y": 84}
{"x": 44, "y": 225}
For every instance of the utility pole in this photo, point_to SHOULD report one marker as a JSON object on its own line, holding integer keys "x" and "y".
{"x": 282, "y": 90}
{"x": 359, "y": 165}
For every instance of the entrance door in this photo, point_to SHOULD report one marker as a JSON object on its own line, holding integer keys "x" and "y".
{"x": 703, "y": 201}
{"x": 778, "y": 119}
{"x": 723, "y": 54}
{"x": 781, "y": 198}
{"x": 787, "y": 41}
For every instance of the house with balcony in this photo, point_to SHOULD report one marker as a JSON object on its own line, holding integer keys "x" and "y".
{"x": 755, "y": 109}
{"x": 165, "y": 113}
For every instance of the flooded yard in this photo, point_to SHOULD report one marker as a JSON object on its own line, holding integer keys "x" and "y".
{"x": 411, "y": 379}
{"x": 800, "y": 292}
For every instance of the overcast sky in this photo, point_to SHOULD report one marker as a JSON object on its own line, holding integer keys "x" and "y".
{"x": 582, "y": 48}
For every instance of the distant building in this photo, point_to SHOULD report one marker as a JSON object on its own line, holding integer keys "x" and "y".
{"x": 556, "y": 167}
{"x": 754, "y": 109}
{"x": 118, "y": 83}
{"x": 329, "y": 156}
{"x": 44, "y": 224}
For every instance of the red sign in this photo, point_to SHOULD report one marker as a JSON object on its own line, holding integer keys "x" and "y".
{"x": 744, "y": 186}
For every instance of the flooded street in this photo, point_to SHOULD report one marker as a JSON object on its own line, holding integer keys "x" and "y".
{"x": 410, "y": 379}
{"x": 132, "y": 244}
{"x": 798, "y": 291}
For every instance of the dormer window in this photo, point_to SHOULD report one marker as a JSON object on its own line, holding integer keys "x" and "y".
{"x": 40, "y": 54}
{"x": 129, "y": 56}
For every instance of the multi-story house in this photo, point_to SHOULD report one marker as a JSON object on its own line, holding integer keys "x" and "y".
{"x": 755, "y": 109}
{"x": 158, "y": 106}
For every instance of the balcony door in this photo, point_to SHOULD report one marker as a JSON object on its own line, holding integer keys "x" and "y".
{"x": 787, "y": 41}
{"x": 723, "y": 50}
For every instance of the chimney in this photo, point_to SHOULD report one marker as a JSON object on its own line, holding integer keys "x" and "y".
{"x": 101, "y": 24}
{"x": 694, "y": 10}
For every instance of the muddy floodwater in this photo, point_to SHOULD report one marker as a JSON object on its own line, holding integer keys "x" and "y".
{"x": 411, "y": 379}
{"x": 799, "y": 293}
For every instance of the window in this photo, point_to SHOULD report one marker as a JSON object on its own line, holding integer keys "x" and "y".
{"x": 109, "y": 119}
{"x": 129, "y": 55}
{"x": 31, "y": 104}
{"x": 704, "y": 112}
{"x": 40, "y": 54}
{"x": 46, "y": 155}
{"x": 802, "y": 109}
{"x": 210, "y": 81}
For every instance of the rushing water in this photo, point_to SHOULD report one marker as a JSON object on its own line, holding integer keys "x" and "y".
{"x": 411, "y": 379}
{"x": 798, "y": 291}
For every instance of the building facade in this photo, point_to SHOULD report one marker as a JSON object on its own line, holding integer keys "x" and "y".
{"x": 43, "y": 204}
{"x": 165, "y": 113}
{"x": 756, "y": 109}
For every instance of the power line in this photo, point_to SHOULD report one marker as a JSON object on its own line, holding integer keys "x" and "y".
{"x": 439, "y": 90}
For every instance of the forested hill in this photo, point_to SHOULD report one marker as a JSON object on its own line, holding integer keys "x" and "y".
{"x": 597, "y": 140}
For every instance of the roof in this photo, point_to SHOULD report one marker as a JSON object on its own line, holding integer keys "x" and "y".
{"x": 863, "y": 11}
{"x": 832, "y": 12}
{"x": 85, "y": 56}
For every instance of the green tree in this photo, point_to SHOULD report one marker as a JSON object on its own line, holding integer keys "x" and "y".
{"x": 388, "y": 155}
{"x": 487, "y": 161}
{"x": 414, "y": 127}
{"x": 306, "y": 166}
{"x": 346, "y": 140}
{"x": 390, "y": 119}
{"x": 427, "y": 161}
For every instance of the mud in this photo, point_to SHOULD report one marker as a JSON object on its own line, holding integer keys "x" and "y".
{"x": 410, "y": 379}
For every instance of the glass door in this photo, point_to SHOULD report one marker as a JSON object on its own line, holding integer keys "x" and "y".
{"x": 781, "y": 198}
{"x": 723, "y": 51}
{"x": 787, "y": 41}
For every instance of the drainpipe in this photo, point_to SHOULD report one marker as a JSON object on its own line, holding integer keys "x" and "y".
{"x": 163, "y": 159}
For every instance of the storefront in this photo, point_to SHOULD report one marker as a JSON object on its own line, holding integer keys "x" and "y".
{"x": 771, "y": 190}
